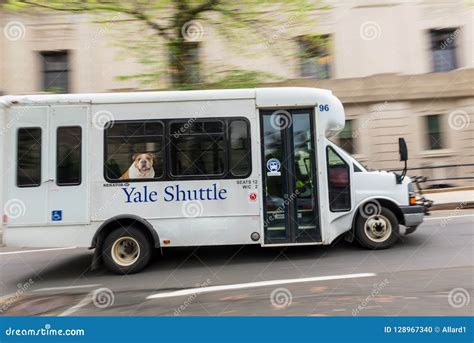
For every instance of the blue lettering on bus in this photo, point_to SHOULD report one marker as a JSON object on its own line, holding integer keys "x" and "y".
{"x": 174, "y": 193}
{"x": 168, "y": 193}
{"x": 140, "y": 196}
{"x": 128, "y": 193}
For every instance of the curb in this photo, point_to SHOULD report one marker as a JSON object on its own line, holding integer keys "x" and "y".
{"x": 452, "y": 206}
{"x": 448, "y": 190}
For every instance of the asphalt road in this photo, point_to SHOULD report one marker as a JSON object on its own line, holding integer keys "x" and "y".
{"x": 427, "y": 273}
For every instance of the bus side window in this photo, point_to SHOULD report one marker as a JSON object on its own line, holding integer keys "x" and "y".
{"x": 197, "y": 148}
{"x": 338, "y": 182}
{"x": 134, "y": 150}
{"x": 240, "y": 157}
{"x": 68, "y": 155}
{"x": 28, "y": 172}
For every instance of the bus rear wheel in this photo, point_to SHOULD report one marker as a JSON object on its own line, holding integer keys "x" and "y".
{"x": 378, "y": 231}
{"x": 126, "y": 251}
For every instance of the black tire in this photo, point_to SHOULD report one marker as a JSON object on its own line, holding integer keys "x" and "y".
{"x": 123, "y": 242}
{"x": 368, "y": 238}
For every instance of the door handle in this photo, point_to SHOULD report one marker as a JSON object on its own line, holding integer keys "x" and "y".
{"x": 48, "y": 180}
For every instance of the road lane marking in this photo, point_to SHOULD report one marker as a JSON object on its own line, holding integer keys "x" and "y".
{"x": 37, "y": 250}
{"x": 209, "y": 289}
{"x": 451, "y": 217}
{"x": 84, "y": 302}
{"x": 64, "y": 288}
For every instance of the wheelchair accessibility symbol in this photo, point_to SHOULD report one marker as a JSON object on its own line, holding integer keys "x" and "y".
{"x": 273, "y": 167}
{"x": 56, "y": 215}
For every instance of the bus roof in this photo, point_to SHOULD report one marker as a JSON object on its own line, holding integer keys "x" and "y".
{"x": 264, "y": 97}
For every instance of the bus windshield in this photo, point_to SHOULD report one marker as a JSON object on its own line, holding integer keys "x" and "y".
{"x": 350, "y": 157}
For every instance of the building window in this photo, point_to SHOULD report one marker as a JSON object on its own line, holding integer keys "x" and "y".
{"x": 434, "y": 133}
{"x": 346, "y": 138}
{"x": 443, "y": 49}
{"x": 55, "y": 71}
{"x": 314, "y": 56}
{"x": 190, "y": 61}
{"x": 68, "y": 156}
{"x": 134, "y": 150}
{"x": 339, "y": 182}
{"x": 28, "y": 172}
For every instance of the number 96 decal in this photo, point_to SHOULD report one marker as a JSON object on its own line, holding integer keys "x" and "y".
{"x": 323, "y": 108}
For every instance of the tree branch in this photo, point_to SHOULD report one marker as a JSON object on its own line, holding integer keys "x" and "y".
{"x": 207, "y": 6}
{"x": 162, "y": 31}
{"x": 185, "y": 14}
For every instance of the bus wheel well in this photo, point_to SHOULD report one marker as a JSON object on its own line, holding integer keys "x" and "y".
{"x": 124, "y": 221}
{"x": 382, "y": 203}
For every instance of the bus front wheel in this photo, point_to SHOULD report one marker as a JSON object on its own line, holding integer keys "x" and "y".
{"x": 377, "y": 231}
{"x": 126, "y": 251}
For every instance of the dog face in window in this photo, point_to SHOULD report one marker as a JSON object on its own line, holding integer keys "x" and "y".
{"x": 141, "y": 168}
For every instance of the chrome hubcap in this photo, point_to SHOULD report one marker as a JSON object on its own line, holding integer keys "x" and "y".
{"x": 378, "y": 228}
{"x": 125, "y": 251}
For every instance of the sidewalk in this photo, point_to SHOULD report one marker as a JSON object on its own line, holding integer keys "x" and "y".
{"x": 451, "y": 198}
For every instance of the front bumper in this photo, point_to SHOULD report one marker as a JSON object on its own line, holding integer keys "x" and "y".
{"x": 412, "y": 217}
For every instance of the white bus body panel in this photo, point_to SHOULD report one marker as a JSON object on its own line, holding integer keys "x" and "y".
{"x": 73, "y": 201}
{"x": 31, "y": 202}
{"x": 37, "y": 203}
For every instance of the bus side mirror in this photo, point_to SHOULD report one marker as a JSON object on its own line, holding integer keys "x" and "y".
{"x": 402, "y": 149}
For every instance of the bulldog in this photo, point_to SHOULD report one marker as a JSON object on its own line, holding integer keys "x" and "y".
{"x": 141, "y": 168}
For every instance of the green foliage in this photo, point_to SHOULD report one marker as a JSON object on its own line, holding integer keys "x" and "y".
{"x": 55, "y": 90}
{"x": 234, "y": 79}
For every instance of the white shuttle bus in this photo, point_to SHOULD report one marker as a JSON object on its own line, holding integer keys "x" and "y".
{"x": 129, "y": 172}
